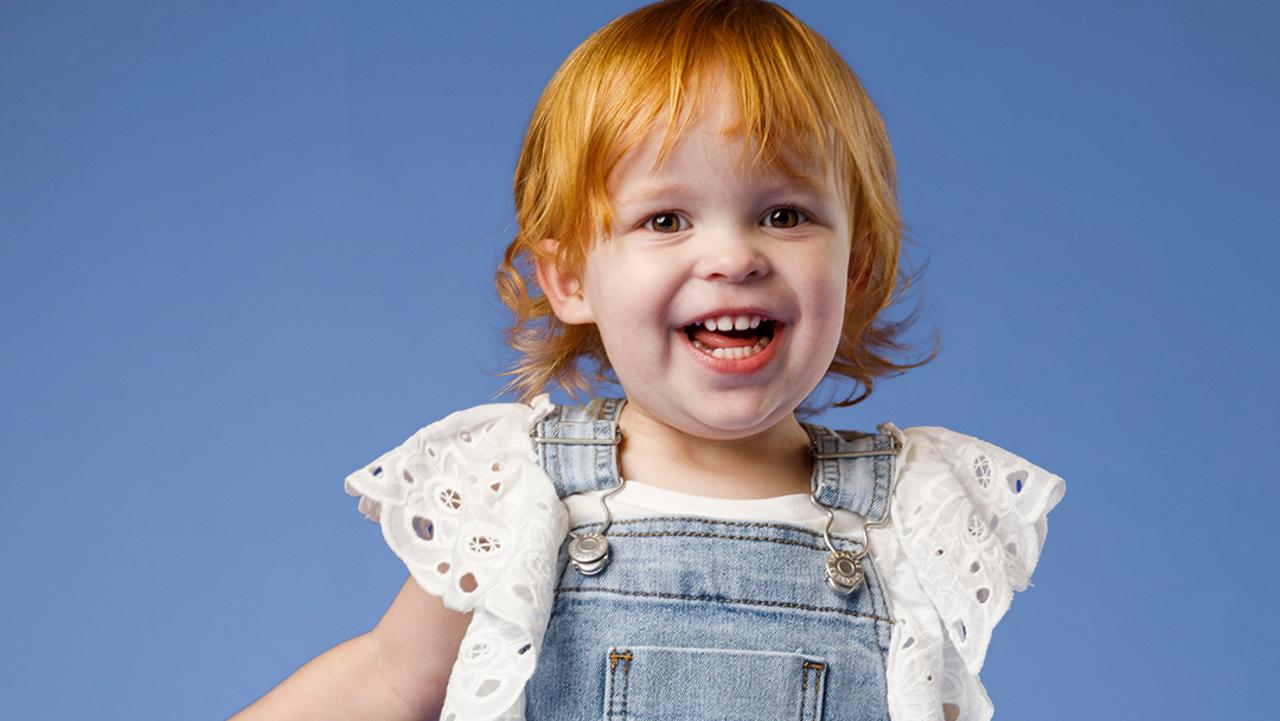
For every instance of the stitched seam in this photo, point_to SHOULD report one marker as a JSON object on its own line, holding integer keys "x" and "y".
{"x": 878, "y": 601}
{"x": 564, "y": 571}
{"x": 804, "y": 688}
{"x": 880, "y": 647}
{"x": 884, "y": 484}
{"x": 851, "y": 545}
{"x": 817, "y": 691}
{"x": 614, "y": 657}
{"x": 613, "y": 684}
{"x": 804, "y": 685}
{"x": 817, "y": 682}
{"x": 708, "y": 520}
{"x": 883, "y": 478}
{"x": 721, "y": 599}
{"x": 626, "y": 683}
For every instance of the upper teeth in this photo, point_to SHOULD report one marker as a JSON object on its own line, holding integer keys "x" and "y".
{"x": 730, "y": 322}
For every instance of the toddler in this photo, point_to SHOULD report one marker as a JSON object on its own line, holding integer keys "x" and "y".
{"x": 707, "y": 211}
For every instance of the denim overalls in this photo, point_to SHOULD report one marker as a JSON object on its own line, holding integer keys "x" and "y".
{"x": 710, "y": 619}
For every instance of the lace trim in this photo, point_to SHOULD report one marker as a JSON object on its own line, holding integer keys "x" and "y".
{"x": 969, "y": 520}
{"x": 464, "y": 503}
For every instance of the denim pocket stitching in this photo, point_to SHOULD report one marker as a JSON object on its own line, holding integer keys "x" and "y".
{"x": 614, "y": 657}
{"x": 812, "y": 708}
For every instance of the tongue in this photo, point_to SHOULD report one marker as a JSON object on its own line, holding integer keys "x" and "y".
{"x": 714, "y": 339}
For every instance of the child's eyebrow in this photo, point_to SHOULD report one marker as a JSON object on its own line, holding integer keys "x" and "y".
{"x": 658, "y": 191}
{"x": 800, "y": 185}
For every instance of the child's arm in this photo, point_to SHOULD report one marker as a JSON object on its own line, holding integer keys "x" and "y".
{"x": 398, "y": 670}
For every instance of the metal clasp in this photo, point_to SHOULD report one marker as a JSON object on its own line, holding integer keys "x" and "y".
{"x": 589, "y": 552}
{"x": 843, "y": 571}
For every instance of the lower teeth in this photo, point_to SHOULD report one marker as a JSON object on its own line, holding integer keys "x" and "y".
{"x": 736, "y": 353}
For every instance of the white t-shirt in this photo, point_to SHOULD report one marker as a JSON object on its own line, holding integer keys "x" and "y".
{"x": 640, "y": 500}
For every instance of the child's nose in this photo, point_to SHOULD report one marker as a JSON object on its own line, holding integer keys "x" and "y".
{"x": 731, "y": 255}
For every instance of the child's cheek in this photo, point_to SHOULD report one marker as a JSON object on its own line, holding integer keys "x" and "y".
{"x": 832, "y": 291}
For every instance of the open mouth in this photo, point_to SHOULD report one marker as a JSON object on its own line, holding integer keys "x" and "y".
{"x": 732, "y": 338}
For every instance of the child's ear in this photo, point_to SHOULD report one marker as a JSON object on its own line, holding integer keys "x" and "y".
{"x": 562, "y": 288}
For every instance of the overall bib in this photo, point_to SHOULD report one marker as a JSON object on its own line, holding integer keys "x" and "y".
{"x": 710, "y": 619}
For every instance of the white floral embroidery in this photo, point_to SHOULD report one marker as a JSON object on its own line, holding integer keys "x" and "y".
{"x": 465, "y": 505}
{"x": 969, "y": 520}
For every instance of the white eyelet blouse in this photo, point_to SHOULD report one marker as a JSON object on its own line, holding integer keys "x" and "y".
{"x": 464, "y": 503}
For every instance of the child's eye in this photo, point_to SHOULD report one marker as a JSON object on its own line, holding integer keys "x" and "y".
{"x": 785, "y": 218}
{"x": 666, "y": 223}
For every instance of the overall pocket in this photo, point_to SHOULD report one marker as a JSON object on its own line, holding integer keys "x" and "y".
{"x": 656, "y": 683}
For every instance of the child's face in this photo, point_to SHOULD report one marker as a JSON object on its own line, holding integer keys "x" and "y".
{"x": 700, "y": 238}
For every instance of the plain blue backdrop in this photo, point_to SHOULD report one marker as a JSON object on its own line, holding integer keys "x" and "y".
{"x": 247, "y": 247}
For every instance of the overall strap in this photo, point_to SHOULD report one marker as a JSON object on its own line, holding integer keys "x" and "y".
{"x": 578, "y": 445}
{"x": 853, "y": 470}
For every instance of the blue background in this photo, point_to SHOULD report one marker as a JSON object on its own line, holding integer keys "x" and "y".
{"x": 245, "y": 248}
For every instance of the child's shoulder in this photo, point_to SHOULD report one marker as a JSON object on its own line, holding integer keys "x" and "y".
{"x": 940, "y": 468}
{"x": 480, "y": 426}
{"x": 994, "y": 473}
{"x": 971, "y": 519}
{"x": 468, "y": 470}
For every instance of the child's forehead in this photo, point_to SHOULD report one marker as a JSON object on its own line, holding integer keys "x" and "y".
{"x": 645, "y": 170}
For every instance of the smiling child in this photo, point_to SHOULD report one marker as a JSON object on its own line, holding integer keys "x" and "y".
{"x": 707, "y": 209}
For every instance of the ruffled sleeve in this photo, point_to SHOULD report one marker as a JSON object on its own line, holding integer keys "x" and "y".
{"x": 969, "y": 520}
{"x": 464, "y": 503}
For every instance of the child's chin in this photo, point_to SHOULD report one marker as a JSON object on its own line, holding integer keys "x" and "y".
{"x": 729, "y": 415}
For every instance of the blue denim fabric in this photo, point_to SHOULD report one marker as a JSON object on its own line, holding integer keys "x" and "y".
{"x": 712, "y": 619}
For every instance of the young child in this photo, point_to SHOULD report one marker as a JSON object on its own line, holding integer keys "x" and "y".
{"x": 707, "y": 203}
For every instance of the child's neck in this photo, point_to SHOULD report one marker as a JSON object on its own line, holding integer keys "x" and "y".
{"x": 775, "y": 462}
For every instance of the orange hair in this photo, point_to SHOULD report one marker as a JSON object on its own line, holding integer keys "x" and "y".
{"x": 794, "y": 91}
